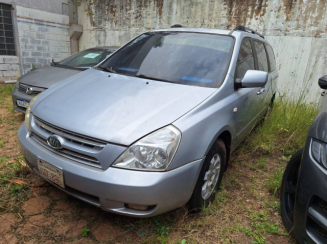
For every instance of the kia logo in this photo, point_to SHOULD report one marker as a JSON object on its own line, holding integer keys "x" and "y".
{"x": 29, "y": 90}
{"x": 55, "y": 141}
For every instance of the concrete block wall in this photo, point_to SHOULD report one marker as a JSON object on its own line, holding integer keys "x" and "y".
{"x": 9, "y": 68}
{"x": 42, "y": 36}
{"x": 296, "y": 29}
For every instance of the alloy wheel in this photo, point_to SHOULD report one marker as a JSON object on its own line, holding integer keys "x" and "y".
{"x": 211, "y": 176}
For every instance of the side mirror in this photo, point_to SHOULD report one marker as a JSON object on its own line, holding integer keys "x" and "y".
{"x": 323, "y": 82}
{"x": 253, "y": 78}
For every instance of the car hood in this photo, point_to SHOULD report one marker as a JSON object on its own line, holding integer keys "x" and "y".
{"x": 47, "y": 76}
{"x": 118, "y": 109}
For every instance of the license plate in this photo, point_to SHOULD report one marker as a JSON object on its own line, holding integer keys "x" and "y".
{"x": 22, "y": 103}
{"x": 51, "y": 172}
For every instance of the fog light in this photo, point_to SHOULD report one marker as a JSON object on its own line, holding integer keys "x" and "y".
{"x": 138, "y": 207}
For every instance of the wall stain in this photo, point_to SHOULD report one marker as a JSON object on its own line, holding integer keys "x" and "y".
{"x": 285, "y": 16}
{"x": 240, "y": 12}
{"x": 159, "y": 7}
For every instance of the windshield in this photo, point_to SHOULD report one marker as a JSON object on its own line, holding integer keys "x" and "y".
{"x": 179, "y": 57}
{"x": 86, "y": 58}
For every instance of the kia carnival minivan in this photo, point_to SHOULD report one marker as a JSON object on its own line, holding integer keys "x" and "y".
{"x": 152, "y": 127}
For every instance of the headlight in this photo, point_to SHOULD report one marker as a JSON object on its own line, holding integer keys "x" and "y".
{"x": 318, "y": 151}
{"x": 153, "y": 152}
{"x": 17, "y": 85}
{"x": 28, "y": 112}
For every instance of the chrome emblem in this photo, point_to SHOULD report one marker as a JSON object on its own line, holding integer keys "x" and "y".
{"x": 29, "y": 90}
{"x": 55, "y": 141}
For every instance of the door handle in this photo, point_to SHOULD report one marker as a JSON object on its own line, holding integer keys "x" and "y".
{"x": 261, "y": 91}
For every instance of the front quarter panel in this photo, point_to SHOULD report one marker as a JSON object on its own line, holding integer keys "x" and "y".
{"x": 201, "y": 127}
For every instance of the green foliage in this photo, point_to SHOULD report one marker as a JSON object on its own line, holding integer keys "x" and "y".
{"x": 285, "y": 129}
{"x": 261, "y": 163}
{"x": 182, "y": 242}
{"x": 161, "y": 229}
{"x": 5, "y": 91}
{"x": 275, "y": 180}
{"x": 259, "y": 226}
{"x": 34, "y": 67}
{"x": 85, "y": 232}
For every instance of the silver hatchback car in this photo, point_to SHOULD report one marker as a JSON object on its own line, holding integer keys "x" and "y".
{"x": 152, "y": 127}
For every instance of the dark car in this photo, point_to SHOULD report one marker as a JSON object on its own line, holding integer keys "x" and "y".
{"x": 304, "y": 184}
{"x": 41, "y": 79}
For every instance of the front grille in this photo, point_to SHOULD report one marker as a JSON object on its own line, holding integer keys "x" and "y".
{"x": 68, "y": 153}
{"x": 72, "y": 137}
{"x": 23, "y": 88}
{"x": 76, "y": 147}
{"x": 317, "y": 217}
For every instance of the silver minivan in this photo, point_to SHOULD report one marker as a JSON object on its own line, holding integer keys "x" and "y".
{"x": 153, "y": 126}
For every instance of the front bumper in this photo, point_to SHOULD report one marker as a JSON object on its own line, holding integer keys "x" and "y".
{"x": 310, "y": 213}
{"x": 113, "y": 188}
{"x": 17, "y": 94}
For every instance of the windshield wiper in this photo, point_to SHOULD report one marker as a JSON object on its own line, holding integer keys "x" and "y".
{"x": 111, "y": 70}
{"x": 153, "y": 78}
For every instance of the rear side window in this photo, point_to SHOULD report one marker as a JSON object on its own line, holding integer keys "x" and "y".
{"x": 262, "y": 56}
{"x": 245, "y": 60}
{"x": 272, "y": 59}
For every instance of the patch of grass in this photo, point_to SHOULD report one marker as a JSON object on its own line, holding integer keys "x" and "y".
{"x": 181, "y": 242}
{"x": 85, "y": 232}
{"x": 275, "y": 180}
{"x": 260, "y": 225}
{"x": 34, "y": 67}
{"x": 261, "y": 163}
{"x": 285, "y": 129}
{"x": 5, "y": 90}
{"x": 161, "y": 229}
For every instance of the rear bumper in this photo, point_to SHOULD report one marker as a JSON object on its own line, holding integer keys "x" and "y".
{"x": 111, "y": 189}
{"x": 310, "y": 216}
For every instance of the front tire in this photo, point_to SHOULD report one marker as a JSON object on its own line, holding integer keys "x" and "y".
{"x": 210, "y": 177}
{"x": 288, "y": 190}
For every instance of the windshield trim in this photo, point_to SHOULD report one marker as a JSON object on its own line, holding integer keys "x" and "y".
{"x": 197, "y": 32}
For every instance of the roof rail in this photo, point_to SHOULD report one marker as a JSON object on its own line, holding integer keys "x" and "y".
{"x": 243, "y": 28}
{"x": 178, "y": 26}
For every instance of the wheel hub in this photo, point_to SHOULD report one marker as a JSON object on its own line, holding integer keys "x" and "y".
{"x": 211, "y": 176}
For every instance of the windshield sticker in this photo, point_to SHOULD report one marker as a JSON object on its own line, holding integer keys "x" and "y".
{"x": 128, "y": 69}
{"x": 196, "y": 79}
{"x": 91, "y": 55}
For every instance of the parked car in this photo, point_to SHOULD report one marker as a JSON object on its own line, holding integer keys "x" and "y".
{"x": 33, "y": 83}
{"x": 303, "y": 192}
{"x": 152, "y": 127}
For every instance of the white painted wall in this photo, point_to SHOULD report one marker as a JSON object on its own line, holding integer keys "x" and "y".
{"x": 297, "y": 30}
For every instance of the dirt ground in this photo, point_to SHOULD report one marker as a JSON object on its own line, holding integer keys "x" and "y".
{"x": 33, "y": 211}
